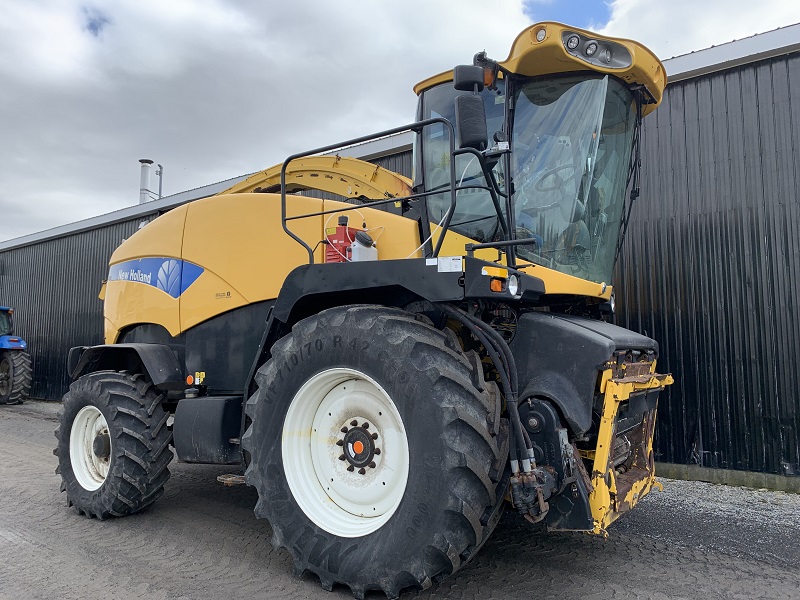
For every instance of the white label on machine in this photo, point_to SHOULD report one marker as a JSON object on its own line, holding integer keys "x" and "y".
{"x": 431, "y": 262}
{"x": 449, "y": 264}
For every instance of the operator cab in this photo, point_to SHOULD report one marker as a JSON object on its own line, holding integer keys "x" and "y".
{"x": 571, "y": 138}
{"x": 568, "y": 140}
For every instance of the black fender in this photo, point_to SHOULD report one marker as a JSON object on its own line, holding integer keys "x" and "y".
{"x": 308, "y": 289}
{"x": 559, "y": 357}
{"x": 157, "y": 361}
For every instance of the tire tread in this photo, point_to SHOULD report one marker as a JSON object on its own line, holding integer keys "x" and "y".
{"x": 469, "y": 437}
{"x": 21, "y": 376}
{"x": 139, "y": 470}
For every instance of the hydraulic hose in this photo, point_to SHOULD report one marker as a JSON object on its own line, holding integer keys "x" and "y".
{"x": 506, "y": 368}
{"x": 511, "y": 365}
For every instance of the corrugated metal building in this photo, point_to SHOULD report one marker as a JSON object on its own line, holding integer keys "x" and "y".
{"x": 711, "y": 266}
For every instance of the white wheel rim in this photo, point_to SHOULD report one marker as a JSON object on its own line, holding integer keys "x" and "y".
{"x": 90, "y": 470}
{"x": 345, "y": 503}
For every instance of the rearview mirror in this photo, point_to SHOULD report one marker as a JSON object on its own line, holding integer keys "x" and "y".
{"x": 467, "y": 77}
{"x": 471, "y": 122}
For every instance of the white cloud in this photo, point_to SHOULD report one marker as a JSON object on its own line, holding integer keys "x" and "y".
{"x": 212, "y": 89}
{"x": 681, "y": 26}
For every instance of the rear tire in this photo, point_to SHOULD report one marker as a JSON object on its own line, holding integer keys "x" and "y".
{"x": 113, "y": 444}
{"x": 406, "y": 515}
{"x": 15, "y": 376}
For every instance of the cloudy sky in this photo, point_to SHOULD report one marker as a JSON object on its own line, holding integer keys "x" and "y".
{"x": 213, "y": 89}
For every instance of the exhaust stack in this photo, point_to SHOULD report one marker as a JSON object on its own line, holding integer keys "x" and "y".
{"x": 144, "y": 181}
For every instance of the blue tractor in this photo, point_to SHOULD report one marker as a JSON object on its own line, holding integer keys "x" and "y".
{"x": 15, "y": 362}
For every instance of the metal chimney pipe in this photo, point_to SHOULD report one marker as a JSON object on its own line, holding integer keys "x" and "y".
{"x": 144, "y": 181}
{"x": 160, "y": 173}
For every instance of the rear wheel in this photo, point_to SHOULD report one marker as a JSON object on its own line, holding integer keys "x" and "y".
{"x": 15, "y": 376}
{"x": 113, "y": 444}
{"x": 371, "y": 450}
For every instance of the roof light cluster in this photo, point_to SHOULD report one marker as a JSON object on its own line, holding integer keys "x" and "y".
{"x": 610, "y": 55}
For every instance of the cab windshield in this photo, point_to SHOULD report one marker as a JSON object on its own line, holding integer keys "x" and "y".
{"x": 571, "y": 141}
{"x": 5, "y": 323}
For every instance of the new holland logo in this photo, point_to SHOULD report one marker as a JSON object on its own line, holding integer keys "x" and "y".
{"x": 170, "y": 275}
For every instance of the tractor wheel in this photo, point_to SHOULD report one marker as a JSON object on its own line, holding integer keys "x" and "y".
{"x": 15, "y": 376}
{"x": 371, "y": 450}
{"x": 113, "y": 444}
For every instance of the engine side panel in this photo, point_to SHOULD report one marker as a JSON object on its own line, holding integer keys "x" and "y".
{"x": 239, "y": 242}
{"x": 225, "y": 252}
{"x": 222, "y": 348}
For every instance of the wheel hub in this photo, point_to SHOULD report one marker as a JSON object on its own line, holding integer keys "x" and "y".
{"x": 101, "y": 446}
{"x": 359, "y": 446}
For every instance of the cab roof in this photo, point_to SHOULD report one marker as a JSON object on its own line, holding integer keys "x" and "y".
{"x": 542, "y": 49}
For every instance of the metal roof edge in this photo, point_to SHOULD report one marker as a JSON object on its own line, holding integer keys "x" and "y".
{"x": 760, "y": 46}
{"x": 124, "y": 214}
{"x": 391, "y": 144}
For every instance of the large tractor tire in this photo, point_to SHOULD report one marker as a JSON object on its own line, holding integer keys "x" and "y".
{"x": 15, "y": 376}
{"x": 373, "y": 448}
{"x": 113, "y": 444}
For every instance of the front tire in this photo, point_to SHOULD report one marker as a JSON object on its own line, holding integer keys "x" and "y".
{"x": 371, "y": 450}
{"x": 113, "y": 444}
{"x": 15, "y": 376}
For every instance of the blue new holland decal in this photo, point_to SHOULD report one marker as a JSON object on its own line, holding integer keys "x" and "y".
{"x": 170, "y": 275}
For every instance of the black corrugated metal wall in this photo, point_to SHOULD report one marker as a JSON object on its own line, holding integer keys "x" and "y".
{"x": 53, "y": 285}
{"x": 711, "y": 266}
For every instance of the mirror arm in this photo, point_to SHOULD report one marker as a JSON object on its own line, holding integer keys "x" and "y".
{"x": 493, "y": 188}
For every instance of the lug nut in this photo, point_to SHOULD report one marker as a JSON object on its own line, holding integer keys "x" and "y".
{"x": 372, "y": 465}
{"x": 377, "y": 450}
{"x": 343, "y": 430}
{"x": 354, "y": 423}
{"x": 365, "y": 425}
{"x": 361, "y": 471}
{"x": 340, "y": 442}
{"x": 342, "y": 457}
{"x": 374, "y": 436}
{"x": 351, "y": 468}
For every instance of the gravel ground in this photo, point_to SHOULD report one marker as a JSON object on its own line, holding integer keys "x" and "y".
{"x": 741, "y": 522}
{"x": 201, "y": 541}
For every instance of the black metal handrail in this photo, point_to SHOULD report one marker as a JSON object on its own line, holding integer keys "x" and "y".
{"x": 415, "y": 127}
{"x": 470, "y": 248}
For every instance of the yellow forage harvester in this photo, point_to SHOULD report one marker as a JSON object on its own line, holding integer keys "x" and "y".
{"x": 395, "y": 363}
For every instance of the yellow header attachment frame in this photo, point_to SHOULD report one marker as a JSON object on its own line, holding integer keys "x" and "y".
{"x": 348, "y": 177}
{"x": 615, "y": 493}
{"x": 543, "y": 49}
